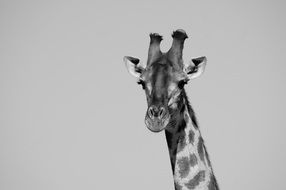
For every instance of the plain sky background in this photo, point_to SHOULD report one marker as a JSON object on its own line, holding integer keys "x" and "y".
{"x": 71, "y": 117}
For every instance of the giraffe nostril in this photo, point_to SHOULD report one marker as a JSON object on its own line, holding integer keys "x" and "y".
{"x": 161, "y": 112}
{"x": 154, "y": 111}
{"x": 151, "y": 111}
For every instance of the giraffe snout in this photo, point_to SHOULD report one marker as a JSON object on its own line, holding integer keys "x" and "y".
{"x": 157, "y": 118}
{"x": 154, "y": 111}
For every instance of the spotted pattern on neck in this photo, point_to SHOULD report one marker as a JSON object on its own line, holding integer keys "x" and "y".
{"x": 190, "y": 163}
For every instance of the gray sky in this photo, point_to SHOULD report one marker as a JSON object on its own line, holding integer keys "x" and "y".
{"x": 71, "y": 117}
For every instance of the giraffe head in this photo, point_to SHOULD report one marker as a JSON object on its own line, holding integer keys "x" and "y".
{"x": 163, "y": 78}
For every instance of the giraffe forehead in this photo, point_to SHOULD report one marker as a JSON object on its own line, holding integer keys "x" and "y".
{"x": 162, "y": 76}
{"x": 157, "y": 78}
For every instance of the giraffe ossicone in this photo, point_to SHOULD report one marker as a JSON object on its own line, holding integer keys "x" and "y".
{"x": 163, "y": 80}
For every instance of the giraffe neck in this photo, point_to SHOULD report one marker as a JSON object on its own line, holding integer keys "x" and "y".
{"x": 190, "y": 163}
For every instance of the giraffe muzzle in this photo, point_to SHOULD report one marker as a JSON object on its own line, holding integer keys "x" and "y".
{"x": 157, "y": 118}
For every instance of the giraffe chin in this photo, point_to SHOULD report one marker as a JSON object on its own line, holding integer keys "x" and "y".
{"x": 156, "y": 125}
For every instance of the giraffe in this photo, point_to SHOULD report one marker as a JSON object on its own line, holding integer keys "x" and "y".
{"x": 163, "y": 79}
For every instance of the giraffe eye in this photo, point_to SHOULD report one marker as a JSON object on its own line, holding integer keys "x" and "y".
{"x": 142, "y": 84}
{"x": 181, "y": 83}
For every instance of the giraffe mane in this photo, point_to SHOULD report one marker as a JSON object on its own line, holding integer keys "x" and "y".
{"x": 184, "y": 101}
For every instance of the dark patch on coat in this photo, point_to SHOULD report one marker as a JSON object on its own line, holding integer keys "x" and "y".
{"x": 173, "y": 165}
{"x": 213, "y": 183}
{"x": 174, "y": 152}
{"x": 172, "y": 124}
{"x": 191, "y": 136}
{"x": 196, "y": 180}
{"x": 181, "y": 142}
{"x": 184, "y": 167}
{"x": 181, "y": 104}
{"x": 169, "y": 137}
{"x": 201, "y": 149}
{"x": 178, "y": 186}
{"x": 194, "y": 120}
{"x": 181, "y": 126}
{"x": 189, "y": 107}
{"x": 193, "y": 160}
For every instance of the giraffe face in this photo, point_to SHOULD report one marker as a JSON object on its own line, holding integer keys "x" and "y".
{"x": 163, "y": 82}
{"x": 164, "y": 78}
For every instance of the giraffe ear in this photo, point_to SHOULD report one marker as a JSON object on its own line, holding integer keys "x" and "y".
{"x": 196, "y": 67}
{"x": 133, "y": 66}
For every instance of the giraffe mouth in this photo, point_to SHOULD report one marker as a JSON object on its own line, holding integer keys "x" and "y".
{"x": 157, "y": 124}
